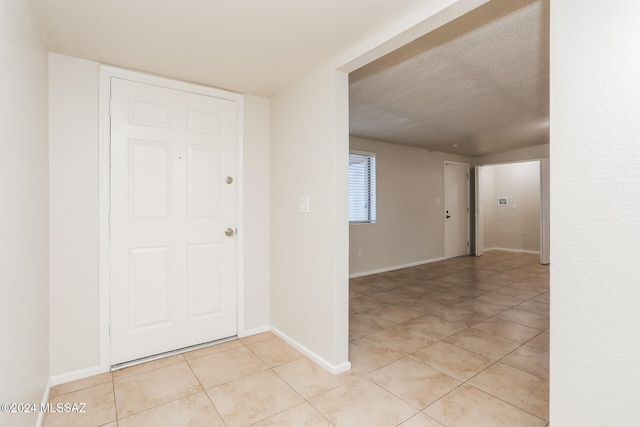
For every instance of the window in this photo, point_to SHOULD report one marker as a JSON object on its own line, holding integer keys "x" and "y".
{"x": 362, "y": 187}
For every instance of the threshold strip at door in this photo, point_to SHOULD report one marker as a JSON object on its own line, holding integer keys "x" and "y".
{"x": 170, "y": 353}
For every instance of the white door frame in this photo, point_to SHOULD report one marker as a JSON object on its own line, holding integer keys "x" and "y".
{"x": 106, "y": 73}
{"x": 478, "y": 214}
{"x": 545, "y": 226}
{"x": 544, "y": 207}
{"x": 468, "y": 221}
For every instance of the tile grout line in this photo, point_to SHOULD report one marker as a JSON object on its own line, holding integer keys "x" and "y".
{"x": 304, "y": 400}
{"x": 499, "y": 360}
{"x": 115, "y": 401}
{"x": 204, "y": 390}
{"x": 118, "y": 417}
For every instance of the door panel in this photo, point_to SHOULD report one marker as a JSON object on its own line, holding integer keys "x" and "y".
{"x": 204, "y": 122}
{"x": 151, "y": 177}
{"x": 149, "y": 113}
{"x": 456, "y": 206}
{"x": 149, "y": 273}
{"x": 173, "y": 269}
{"x": 205, "y": 264}
{"x": 204, "y": 182}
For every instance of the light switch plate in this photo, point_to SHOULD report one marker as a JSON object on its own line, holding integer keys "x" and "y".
{"x": 304, "y": 205}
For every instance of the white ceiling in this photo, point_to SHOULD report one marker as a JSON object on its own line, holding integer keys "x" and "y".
{"x": 480, "y": 82}
{"x": 249, "y": 46}
{"x": 478, "y": 85}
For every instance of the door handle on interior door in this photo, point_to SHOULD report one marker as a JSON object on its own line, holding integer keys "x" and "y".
{"x": 448, "y": 216}
{"x": 229, "y": 232}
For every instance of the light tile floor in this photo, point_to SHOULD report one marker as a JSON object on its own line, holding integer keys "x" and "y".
{"x": 462, "y": 342}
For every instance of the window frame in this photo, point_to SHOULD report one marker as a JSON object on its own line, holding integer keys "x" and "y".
{"x": 371, "y": 191}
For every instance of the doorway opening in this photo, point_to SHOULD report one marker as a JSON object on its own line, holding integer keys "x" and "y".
{"x": 511, "y": 208}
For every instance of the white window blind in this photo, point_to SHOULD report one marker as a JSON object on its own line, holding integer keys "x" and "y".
{"x": 362, "y": 187}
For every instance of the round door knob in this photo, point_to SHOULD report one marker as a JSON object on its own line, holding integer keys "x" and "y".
{"x": 229, "y": 232}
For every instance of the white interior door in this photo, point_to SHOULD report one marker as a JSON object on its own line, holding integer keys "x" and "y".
{"x": 173, "y": 268}
{"x": 456, "y": 209}
{"x": 479, "y": 216}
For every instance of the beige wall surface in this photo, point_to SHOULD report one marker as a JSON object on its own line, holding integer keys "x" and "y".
{"x": 516, "y": 226}
{"x": 409, "y": 227}
{"x": 73, "y": 218}
{"x": 410, "y": 223}
{"x": 256, "y": 214}
{"x": 309, "y": 290}
{"x": 24, "y": 241}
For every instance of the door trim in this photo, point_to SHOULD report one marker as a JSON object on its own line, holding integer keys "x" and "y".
{"x": 106, "y": 74}
{"x": 545, "y": 228}
{"x": 468, "y": 221}
{"x": 543, "y": 163}
{"x": 478, "y": 215}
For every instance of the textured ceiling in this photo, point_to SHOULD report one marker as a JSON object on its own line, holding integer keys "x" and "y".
{"x": 249, "y": 46}
{"x": 480, "y": 82}
{"x": 478, "y": 85}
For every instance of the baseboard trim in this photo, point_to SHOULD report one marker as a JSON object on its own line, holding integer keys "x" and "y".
{"x": 254, "y": 331}
{"x": 519, "y": 251}
{"x": 334, "y": 369}
{"x": 45, "y": 400}
{"x": 88, "y": 372}
{"x": 394, "y": 267}
{"x": 76, "y": 375}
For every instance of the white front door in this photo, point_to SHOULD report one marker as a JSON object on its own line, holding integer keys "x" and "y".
{"x": 456, "y": 209}
{"x": 173, "y": 195}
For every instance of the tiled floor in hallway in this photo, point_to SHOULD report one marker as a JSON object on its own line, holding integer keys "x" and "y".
{"x": 461, "y": 342}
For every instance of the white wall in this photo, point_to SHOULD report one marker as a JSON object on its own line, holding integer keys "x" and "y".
{"x": 309, "y": 158}
{"x": 24, "y": 253}
{"x": 595, "y": 213}
{"x": 73, "y": 194}
{"x": 75, "y": 303}
{"x": 516, "y": 226}
{"x": 410, "y": 223}
{"x": 256, "y": 186}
